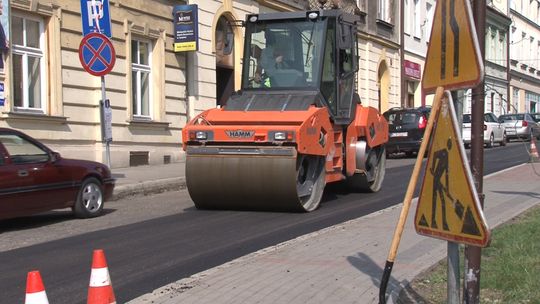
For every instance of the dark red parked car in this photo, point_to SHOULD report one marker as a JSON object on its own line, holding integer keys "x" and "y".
{"x": 35, "y": 179}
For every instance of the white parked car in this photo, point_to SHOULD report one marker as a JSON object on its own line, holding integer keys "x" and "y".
{"x": 494, "y": 132}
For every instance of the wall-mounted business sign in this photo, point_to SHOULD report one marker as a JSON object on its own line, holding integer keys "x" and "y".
{"x": 412, "y": 69}
{"x": 186, "y": 32}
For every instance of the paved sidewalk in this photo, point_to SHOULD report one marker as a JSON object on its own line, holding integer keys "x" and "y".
{"x": 340, "y": 264}
{"x": 148, "y": 179}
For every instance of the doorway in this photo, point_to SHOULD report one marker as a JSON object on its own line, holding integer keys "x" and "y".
{"x": 384, "y": 86}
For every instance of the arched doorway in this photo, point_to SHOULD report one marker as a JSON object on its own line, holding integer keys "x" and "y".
{"x": 224, "y": 46}
{"x": 384, "y": 86}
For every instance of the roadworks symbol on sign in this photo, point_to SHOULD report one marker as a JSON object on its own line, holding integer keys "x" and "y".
{"x": 448, "y": 205}
{"x": 453, "y": 57}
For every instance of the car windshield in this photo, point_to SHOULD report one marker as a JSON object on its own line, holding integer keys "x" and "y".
{"x": 467, "y": 118}
{"x": 536, "y": 117}
{"x": 283, "y": 54}
{"x": 401, "y": 117}
{"x": 510, "y": 117}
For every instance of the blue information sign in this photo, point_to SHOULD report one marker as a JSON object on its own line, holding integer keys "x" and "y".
{"x": 2, "y": 97}
{"x": 97, "y": 54}
{"x": 186, "y": 33}
{"x": 95, "y": 17}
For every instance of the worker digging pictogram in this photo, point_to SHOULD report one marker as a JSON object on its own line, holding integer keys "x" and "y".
{"x": 448, "y": 205}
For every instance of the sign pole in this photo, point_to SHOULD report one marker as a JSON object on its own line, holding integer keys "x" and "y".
{"x": 453, "y": 273}
{"x": 452, "y": 291}
{"x": 471, "y": 292}
{"x": 104, "y": 137}
{"x": 97, "y": 57}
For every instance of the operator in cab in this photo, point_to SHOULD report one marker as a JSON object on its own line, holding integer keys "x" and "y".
{"x": 272, "y": 57}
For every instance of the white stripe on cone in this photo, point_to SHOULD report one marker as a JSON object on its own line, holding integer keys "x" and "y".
{"x": 36, "y": 298}
{"x": 99, "y": 277}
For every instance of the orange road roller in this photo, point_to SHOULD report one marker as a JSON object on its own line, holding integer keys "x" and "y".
{"x": 296, "y": 124}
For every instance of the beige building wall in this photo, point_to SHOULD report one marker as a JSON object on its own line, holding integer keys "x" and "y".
{"x": 183, "y": 84}
{"x": 70, "y": 123}
{"x": 372, "y": 56}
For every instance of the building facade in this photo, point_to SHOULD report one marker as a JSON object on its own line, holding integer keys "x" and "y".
{"x": 497, "y": 72}
{"x": 153, "y": 90}
{"x": 379, "y": 49}
{"x": 525, "y": 56}
{"x": 417, "y": 24}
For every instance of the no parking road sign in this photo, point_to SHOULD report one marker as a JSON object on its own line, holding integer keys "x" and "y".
{"x": 97, "y": 54}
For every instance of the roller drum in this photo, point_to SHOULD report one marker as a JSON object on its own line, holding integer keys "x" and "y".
{"x": 274, "y": 179}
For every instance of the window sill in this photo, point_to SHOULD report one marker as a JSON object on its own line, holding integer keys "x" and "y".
{"x": 148, "y": 124}
{"x": 14, "y": 116}
{"x": 384, "y": 23}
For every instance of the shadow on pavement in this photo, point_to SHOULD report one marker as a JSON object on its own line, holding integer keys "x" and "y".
{"x": 366, "y": 265}
{"x": 530, "y": 194}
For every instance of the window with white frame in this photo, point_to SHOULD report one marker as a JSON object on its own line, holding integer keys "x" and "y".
{"x": 429, "y": 22}
{"x": 417, "y": 20}
{"x": 383, "y": 10}
{"x": 531, "y": 52}
{"x": 140, "y": 79}
{"x": 490, "y": 44}
{"x": 502, "y": 60}
{"x": 407, "y": 16}
{"x": 537, "y": 58}
{"x": 29, "y": 66}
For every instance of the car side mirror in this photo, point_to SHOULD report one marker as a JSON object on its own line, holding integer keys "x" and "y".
{"x": 55, "y": 156}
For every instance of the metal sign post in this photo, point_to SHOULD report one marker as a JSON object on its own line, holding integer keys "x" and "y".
{"x": 98, "y": 57}
{"x": 106, "y": 122}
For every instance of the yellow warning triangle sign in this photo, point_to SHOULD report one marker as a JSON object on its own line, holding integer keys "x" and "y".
{"x": 448, "y": 205}
{"x": 453, "y": 58}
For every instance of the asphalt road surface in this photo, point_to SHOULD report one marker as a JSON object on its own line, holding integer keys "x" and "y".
{"x": 155, "y": 240}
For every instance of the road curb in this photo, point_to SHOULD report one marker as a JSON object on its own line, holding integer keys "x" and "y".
{"x": 149, "y": 187}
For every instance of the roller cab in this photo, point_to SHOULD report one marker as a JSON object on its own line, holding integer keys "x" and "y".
{"x": 295, "y": 125}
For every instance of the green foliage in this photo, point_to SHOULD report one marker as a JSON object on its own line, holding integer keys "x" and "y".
{"x": 510, "y": 267}
{"x": 512, "y": 262}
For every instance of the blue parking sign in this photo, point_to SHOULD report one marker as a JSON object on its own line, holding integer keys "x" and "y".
{"x": 95, "y": 17}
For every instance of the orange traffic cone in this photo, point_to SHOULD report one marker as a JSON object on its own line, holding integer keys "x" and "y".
{"x": 100, "y": 289}
{"x": 35, "y": 291}
{"x": 534, "y": 151}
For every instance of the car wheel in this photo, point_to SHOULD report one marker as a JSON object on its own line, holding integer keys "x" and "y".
{"x": 89, "y": 201}
{"x": 504, "y": 140}
{"x": 491, "y": 141}
{"x": 409, "y": 153}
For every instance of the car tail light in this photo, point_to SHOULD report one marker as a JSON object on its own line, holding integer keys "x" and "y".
{"x": 422, "y": 123}
{"x": 485, "y": 127}
{"x": 524, "y": 123}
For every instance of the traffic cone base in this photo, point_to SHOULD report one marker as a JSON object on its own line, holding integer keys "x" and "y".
{"x": 100, "y": 288}
{"x": 534, "y": 151}
{"x": 35, "y": 291}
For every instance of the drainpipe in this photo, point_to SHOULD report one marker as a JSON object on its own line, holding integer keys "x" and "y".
{"x": 508, "y": 74}
{"x": 402, "y": 52}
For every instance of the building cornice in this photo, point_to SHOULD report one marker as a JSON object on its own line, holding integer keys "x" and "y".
{"x": 498, "y": 16}
{"x": 524, "y": 18}
{"x": 284, "y": 5}
{"x": 378, "y": 39}
{"x": 527, "y": 77}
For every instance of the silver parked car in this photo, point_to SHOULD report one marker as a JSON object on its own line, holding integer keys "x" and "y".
{"x": 494, "y": 132}
{"x": 536, "y": 117}
{"x": 520, "y": 125}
